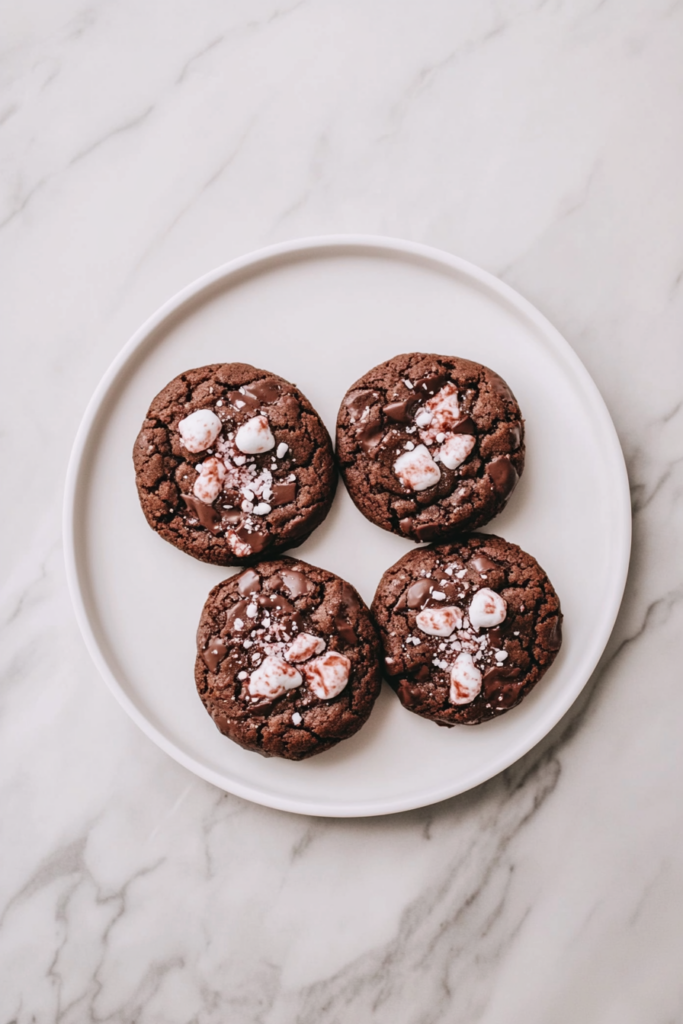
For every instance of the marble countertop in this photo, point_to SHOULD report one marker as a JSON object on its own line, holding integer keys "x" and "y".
{"x": 144, "y": 144}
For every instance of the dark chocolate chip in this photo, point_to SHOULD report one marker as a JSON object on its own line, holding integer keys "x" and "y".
{"x": 264, "y": 391}
{"x": 360, "y": 403}
{"x": 401, "y": 412}
{"x": 466, "y": 425}
{"x": 248, "y": 582}
{"x": 214, "y": 653}
{"x": 428, "y": 386}
{"x": 370, "y": 433}
{"x": 243, "y": 402}
{"x": 238, "y": 611}
{"x": 282, "y": 494}
{"x": 296, "y": 582}
{"x": 418, "y": 594}
{"x": 206, "y": 514}
{"x": 483, "y": 564}
{"x": 503, "y": 476}
{"x": 500, "y": 682}
{"x": 275, "y": 601}
{"x": 345, "y": 631}
{"x": 255, "y": 541}
{"x": 555, "y": 634}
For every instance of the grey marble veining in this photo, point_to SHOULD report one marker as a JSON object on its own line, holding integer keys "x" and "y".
{"x": 143, "y": 145}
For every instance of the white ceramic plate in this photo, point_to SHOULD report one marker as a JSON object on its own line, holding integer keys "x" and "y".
{"x": 321, "y": 312}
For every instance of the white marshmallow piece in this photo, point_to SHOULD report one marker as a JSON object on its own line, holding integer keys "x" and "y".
{"x": 199, "y": 430}
{"x": 465, "y": 680}
{"x": 455, "y": 450}
{"x": 304, "y": 647}
{"x": 328, "y": 675}
{"x": 487, "y": 609}
{"x": 209, "y": 483}
{"x": 439, "y": 621}
{"x": 254, "y": 436}
{"x": 417, "y": 469}
{"x": 273, "y": 678}
{"x": 444, "y": 412}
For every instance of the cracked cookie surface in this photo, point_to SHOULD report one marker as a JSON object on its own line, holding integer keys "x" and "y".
{"x": 233, "y": 463}
{"x": 288, "y": 659}
{"x": 430, "y": 446}
{"x": 468, "y": 628}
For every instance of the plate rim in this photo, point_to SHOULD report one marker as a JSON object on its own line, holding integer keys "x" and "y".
{"x": 343, "y": 244}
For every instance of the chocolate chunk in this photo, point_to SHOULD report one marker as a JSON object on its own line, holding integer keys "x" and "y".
{"x": 256, "y": 542}
{"x": 482, "y": 564}
{"x": 555, "y": 635}
{"x": 428, "y": 531}
{"x": 502, "y": 685}
{"x": 350, "y": 604}
{"x": 428, "y": 386}
{"x": 361, "y": 403}
{"x": 293, "y": 624}
{"x": 214, "y": 653}
{"x": 503, "y": 476}
{"x": 466, "y": 425}
{"x": 349, "y": 598}
{"x": 408, "y": 695}
{"x": 264, "y": 391}
{"x": 418, "y": 594}
{"x": 237, "y": 611}
{"x": 401, "y": 412}
{"x": 515, "y": 436}
{"x": 206, "y": 514}
{"x": 370, "y": 433}
{"x": 495, "y": 636}
{"x": 248, "y": 582}
{"x": 275, "y": 601}
{"x": 243, "y": 402}
{"x": 345, "y": 631}
{"x": 282, "y": 494}
{"x": 296, "y": 582}
{"x": 366, "y": 417}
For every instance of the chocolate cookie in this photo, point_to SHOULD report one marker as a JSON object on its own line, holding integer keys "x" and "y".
{"x": 231, "y": 462}
{"x": 468, "y": 628}
{"x": 430, "y": 445}
{"x": 288, "y": 659}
